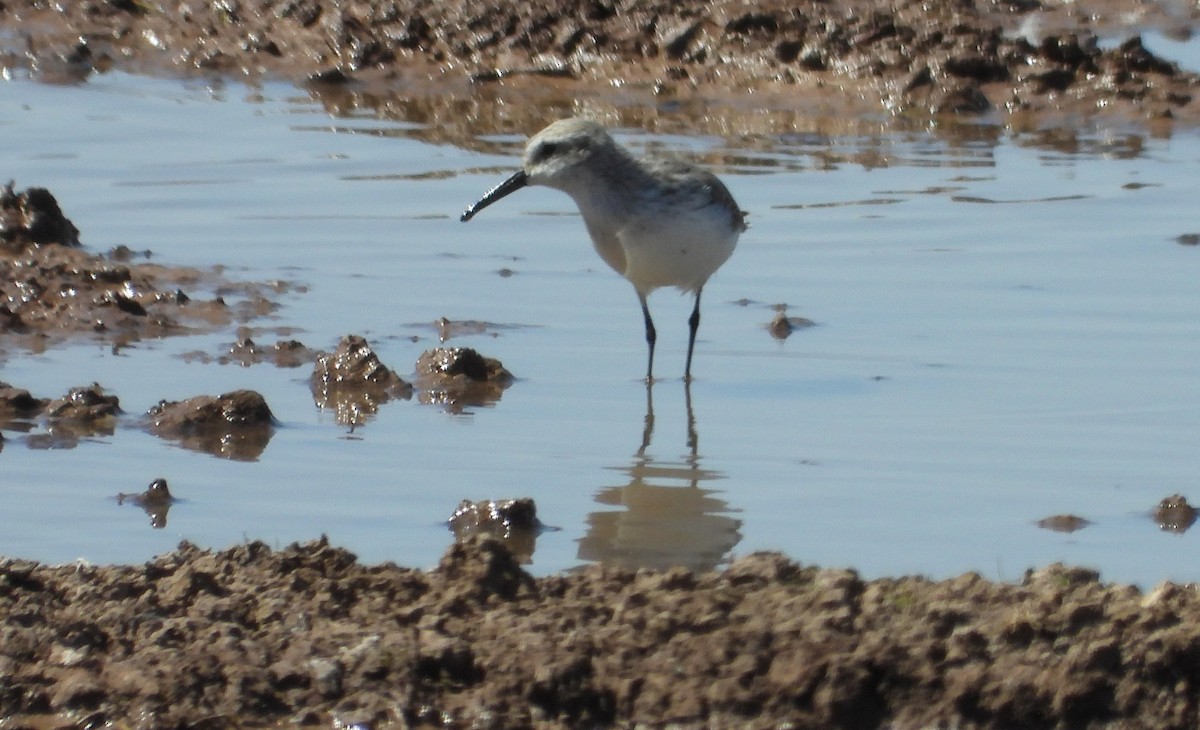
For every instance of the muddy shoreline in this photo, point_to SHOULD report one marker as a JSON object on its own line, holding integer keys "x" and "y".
{"x": 308, "y": 636}
{"x": 1020, "y": 63}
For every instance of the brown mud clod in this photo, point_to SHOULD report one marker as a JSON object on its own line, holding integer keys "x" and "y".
{"x": 1174, "y": 514}
{"x": 459, "y": 377}
{"x": 353, "y": 382}
{"x": 155, "y": 501}
{"x": 234, "y": 425}
{"x": 513, "y": 521}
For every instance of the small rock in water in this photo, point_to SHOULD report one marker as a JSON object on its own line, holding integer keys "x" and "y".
{"x": 782, "y": 326}
{"x": 156, "y": 501}
{"x": 1174, "y": 514}
{"x": 354, "y": 383}
{"x": 457, "y": 377}
{"x": 235, "y": 425}
{"x": 33, "y": 217}
{"x": 513, "y": 521}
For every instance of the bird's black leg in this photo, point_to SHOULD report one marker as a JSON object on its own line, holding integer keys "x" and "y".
{"x": 651, "y": 336}
{"x": 693, "y": 325}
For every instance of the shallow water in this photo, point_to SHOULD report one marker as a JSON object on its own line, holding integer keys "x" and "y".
{"x": 1006, "y": 329}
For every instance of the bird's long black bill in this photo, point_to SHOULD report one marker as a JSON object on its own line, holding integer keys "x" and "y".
{"x": 509, "y": 186}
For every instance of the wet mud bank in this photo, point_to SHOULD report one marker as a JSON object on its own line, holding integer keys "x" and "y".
{"x": 893, "y": 59}
{"x": 52, "y": 289}
{"x": 308, "y": 636}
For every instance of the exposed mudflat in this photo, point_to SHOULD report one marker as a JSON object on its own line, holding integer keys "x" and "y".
{"x": 308, "y": 636}
{"x": 903, "y": 58}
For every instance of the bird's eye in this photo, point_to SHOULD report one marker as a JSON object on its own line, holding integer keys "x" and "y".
{"x": 548, "y": 150}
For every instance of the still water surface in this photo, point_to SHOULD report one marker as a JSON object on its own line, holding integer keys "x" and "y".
{"x": 1007, "y": 328}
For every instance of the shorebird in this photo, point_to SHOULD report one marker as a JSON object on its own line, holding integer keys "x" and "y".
{"x": 656, "y": 222}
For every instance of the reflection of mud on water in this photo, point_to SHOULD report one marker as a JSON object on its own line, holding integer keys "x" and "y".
{"x": 51, "y": 290}
{"x": 247, "y": 349}
{"x": 1063, "y": 523}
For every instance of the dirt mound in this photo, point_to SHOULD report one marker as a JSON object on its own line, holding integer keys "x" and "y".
{"x": 307, "y": 635}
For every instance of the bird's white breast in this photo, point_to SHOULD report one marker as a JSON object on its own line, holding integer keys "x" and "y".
{"x": 676, "y": 248}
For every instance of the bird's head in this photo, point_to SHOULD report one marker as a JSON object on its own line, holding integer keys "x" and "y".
{"x": 555, "y": 154}
{"x": 552, "y": 158}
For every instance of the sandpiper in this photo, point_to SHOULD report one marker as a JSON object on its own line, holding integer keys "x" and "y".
{"x": 656, "y": 222}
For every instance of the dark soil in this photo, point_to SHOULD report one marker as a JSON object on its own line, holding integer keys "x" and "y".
{"x": 309, "y": 637}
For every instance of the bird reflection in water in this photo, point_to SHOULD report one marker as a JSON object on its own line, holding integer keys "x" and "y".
{"x": 668, "y": 519}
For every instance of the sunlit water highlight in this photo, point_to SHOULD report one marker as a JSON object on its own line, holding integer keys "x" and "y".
{"x": 1005, "y": 330}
